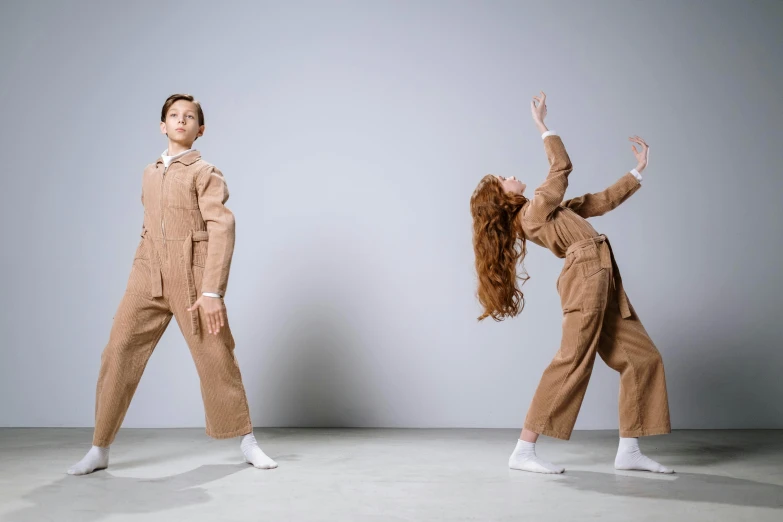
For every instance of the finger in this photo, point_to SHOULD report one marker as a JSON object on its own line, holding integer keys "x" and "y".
{"x": 222, "y": 318}
{"x": 217, "y": 320}
{"x": 543, "y": 96}
{"x": 208, "y": 321}
{"x": 213, "y": 322}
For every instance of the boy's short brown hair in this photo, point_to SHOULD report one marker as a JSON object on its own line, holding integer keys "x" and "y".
{"x": 175, "y": 98}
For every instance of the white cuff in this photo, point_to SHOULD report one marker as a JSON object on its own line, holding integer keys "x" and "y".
{"x": 210, "y": 294}
{"x": 548, "y": 133}
{"x": 636, "y": 175}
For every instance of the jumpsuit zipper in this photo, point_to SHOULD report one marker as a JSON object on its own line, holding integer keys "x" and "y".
{"x": 162, "y": 219}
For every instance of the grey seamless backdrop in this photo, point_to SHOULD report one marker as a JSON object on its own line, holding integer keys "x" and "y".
{"x": 352, "y": 135}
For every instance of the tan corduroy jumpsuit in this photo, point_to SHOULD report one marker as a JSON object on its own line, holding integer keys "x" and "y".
{"x": 186, "y": 249}
{"x": 597, "y": 316}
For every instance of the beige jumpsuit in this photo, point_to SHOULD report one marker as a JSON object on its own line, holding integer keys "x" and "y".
{"x": 186, "y": 249}
{"x": 597, "y": 315}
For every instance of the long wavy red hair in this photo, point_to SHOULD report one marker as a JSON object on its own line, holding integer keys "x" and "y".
{"x": 499, "y": 244}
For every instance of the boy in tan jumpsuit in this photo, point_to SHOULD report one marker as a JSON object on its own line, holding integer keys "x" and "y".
{"x": 180, "y": 270}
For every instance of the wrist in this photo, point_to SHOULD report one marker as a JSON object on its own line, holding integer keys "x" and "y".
{"x": 542, "y": 128}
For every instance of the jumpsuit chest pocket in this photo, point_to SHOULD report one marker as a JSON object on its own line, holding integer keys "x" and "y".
{"x": 181, "y": 191}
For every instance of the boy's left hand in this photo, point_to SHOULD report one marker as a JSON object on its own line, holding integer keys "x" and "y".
{"x": 214, "y": 312}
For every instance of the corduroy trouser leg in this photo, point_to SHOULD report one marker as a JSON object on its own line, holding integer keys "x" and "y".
{"x": 138, "y": 326}
{"x": 593, "y": 323}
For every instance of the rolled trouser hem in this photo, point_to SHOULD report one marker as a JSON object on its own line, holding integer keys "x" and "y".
{"x": 229, "y": 434}
{"x": 562, "y": 435}
{"x": 646, "y": 432}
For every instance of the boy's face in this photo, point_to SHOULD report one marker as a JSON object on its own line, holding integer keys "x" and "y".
{"x": 181, "y": 123}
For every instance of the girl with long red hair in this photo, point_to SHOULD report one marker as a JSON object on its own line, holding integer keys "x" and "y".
{"x": 597, "y": 315}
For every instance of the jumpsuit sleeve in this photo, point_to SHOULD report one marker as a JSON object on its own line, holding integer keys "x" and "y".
{"x": 549, "y": 194}
{"x": 598, "y": 204}
{"x": 212, "y": 194}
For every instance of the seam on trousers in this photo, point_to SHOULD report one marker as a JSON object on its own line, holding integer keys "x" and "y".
{"x": 636, "y": 386}
{"x": 208, "y": 429}
{"x": 244, "y": 390}
{"x": 244, "y": 395}
{"x": 570, "y": 370}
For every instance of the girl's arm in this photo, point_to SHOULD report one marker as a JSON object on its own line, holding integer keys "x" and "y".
{"x": 592, "y": 205}
{"x": 549, "y": 195}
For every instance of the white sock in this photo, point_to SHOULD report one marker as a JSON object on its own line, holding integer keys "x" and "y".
{"x": 97, "y": 458}
{"x": 254, "y": 455}
{"x": 630, "y": 457}
{"x": 524, "y": 459}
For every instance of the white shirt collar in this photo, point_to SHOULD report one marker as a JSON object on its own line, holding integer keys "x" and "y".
{"x": 168, "y": 159}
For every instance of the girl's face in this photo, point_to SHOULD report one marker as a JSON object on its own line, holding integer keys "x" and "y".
{"x": 512, "y": 185}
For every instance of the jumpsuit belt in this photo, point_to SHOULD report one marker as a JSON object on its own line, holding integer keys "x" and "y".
{"x": 156, "y": 283}
{"x": 193, "y": 236}
{"x": 622, "y": 297}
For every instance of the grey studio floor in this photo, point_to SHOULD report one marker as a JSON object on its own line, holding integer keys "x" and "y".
{"x": 387, "y": 475}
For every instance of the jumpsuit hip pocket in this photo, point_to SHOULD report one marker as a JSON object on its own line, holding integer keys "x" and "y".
{"x": 142, "y": 251}
{"x": 595, "y": 288}
{"x": 200, "y": 253}
{"x": 139, "y": 279}
{"x": 584, "y": 284}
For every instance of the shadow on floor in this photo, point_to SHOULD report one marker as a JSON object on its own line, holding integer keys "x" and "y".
{"x": 707, "y": 453}
{"x": 94, "y": 497}
{"x": 688, "y": 487}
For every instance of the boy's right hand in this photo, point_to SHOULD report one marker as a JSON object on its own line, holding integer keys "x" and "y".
{"x": 538, "y": 110}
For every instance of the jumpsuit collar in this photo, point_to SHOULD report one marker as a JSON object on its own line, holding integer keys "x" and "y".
{"x": 187, "y": 157}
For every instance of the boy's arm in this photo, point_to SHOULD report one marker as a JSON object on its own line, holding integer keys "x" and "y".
{"x": 212, "y": 194}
